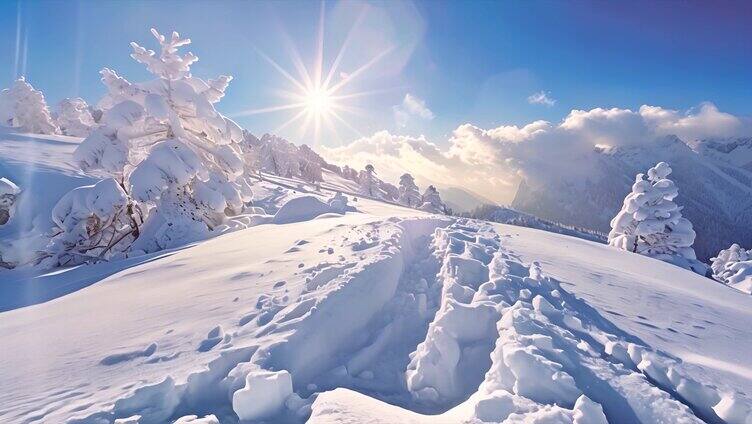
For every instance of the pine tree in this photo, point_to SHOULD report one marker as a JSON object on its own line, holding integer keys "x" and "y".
{"x": 432, "y": 201}
{"x": 408, "y": 192}
{"x": 651, "y": 224}
{"x": 74, "y": 117}
{"x": 370, "y": 184}
{"x": 92, "y": 223}
{"x": 169, "y": 147}
{"x": 9, "y": 191}
{"x": 733, "y": 267}
{"x": 23, "y": 107}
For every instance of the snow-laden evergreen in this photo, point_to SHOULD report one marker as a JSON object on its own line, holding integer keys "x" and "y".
{"x": 23, "y": 107}
{"x": 74, "y": 118}
{"x": 391, "y": 191}
{"x": 8, "y": 193}
{"x": 168, "y": 145}
{"x": 92, "y": 223}
{"x": 733, "y": 267}
{"x": 370, "y": 185}
{"x": 408, "y": 192}
{"x": 432, "y": 201}
{"x": 651, "y": 224}
{"x": 277, "y": 156}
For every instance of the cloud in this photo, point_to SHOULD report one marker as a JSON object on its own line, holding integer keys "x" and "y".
{"x": 702, "y": 122}
{"x": 541, "y": 98}
{"x": 491, "y": 162}
{"x": 411, "y": 106}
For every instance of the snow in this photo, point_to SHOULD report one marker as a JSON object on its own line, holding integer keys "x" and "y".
{"x": 351, "y": 318}
{"x": 263, "y": 396}
{"x": 305, "y": 208}
{"x": 733, "y": 267}
{"x": 42, "y": 169}
{"x": 317, "y": 304}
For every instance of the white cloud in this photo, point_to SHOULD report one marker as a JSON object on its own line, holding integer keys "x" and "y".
{"x": 411, "y": 106}
{"x": 492, "y": 162}
{"x": 541, "y": 98}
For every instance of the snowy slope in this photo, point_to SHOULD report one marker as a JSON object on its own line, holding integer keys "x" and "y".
{"x": 407, "y": 314}
{"x": 40, "y": 165}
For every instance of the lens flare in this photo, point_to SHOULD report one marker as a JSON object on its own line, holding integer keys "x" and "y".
{"x": 315, "y": 97}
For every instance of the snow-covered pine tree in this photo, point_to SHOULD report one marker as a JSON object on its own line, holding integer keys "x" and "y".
{"x": 432, "y": 201}
{"x": 74, "y": 117}
{"x": 733, "y": 267}
{"x": 169, "y": 147}
{"x": 370, "y": 184}
{"x": 409, "y": 195}
{"x": 92, "y": 223}
{"x": 9, "y": 191}
{"x": 23, "y": 107}
{"x": 391, "y": 191}
{"x": 350, "y": 174}
{"x": 310, "y": 164}
{"x": 651, "y": 224}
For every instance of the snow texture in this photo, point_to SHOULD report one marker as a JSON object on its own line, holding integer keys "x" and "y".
{"x": 387, "y": 315}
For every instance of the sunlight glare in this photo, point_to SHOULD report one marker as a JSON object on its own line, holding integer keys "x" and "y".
{"x": 318, "y": 102}
{"x": 315, "y": 95}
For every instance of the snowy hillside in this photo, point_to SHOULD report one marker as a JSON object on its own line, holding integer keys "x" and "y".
{"x": 382, "y": 315}
{"x": 714, "y": 188}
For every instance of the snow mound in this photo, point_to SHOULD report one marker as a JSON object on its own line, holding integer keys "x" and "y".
{"x": 264, "y": 394}
{"x": 305, "y": 208}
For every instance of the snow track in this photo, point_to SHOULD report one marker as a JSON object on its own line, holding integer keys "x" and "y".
{"x": 416, "y": 319}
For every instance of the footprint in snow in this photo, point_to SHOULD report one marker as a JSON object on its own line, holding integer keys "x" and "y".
{"x": 212, "y": 339}
{"x": 127, "y": 356}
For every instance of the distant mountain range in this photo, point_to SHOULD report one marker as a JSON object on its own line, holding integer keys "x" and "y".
{"x": 714, "y": 177}
{"x": 506, "y": 215}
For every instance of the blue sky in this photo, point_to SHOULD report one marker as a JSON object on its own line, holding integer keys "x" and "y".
{"x": 468, "y": 61}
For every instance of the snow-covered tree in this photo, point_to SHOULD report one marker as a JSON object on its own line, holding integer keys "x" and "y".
{"x": 311, "y": 164}
{"x": 350, "y": 174}
{"x": 277, "y": 156}
{"x": 432, "y": 201}
{"x": 9, "y": 191}
{"x": 74, "y": 117}
{"x": 23, "y": 107}
{"x": 370, "y": 185}
{"x": 92, "y": 223}
{"x": 311, "y": 172}
{"x": 733, "y": 267}
{"x": 167, "y": 144}
{"x": 408, "y": 192}
{"x": 391, "y": 191}
{"x": 651, "y": 224}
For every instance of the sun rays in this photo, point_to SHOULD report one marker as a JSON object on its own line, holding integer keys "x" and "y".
{"x": 316, "y": 99}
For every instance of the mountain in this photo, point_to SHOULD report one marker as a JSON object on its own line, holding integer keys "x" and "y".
{"x": 461, "y": 200}
{"x": 506, "y": 215}
{"x": 714, "y": 179}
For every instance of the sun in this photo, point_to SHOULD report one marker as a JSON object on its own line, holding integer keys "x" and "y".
{"x": 319, "y": 102}
{"x": 316, "y": 98}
